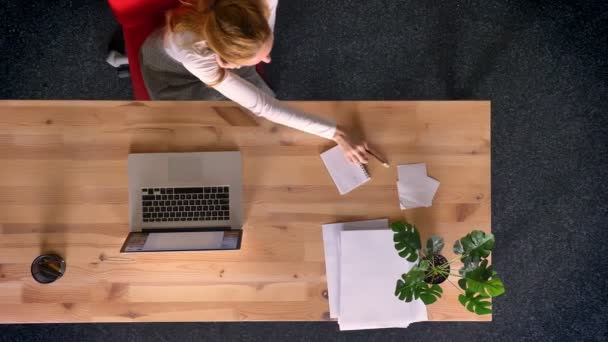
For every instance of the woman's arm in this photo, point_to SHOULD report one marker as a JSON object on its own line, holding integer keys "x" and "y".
{"x": 205, "y": 67}
{"x": 261, "y": 104}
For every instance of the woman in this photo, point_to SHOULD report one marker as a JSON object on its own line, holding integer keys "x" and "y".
{"x": 208, "y": 51}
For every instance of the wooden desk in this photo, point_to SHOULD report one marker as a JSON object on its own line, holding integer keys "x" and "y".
{"x": 63, "y": 188}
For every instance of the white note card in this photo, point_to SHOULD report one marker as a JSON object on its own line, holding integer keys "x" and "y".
{"x": 414, "y": 171}
{"x": 414, "y": 187}
{"x": 346, "y": 175}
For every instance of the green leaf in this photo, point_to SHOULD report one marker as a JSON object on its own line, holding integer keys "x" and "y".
{"x": 491, "y": 287}
{"x": 429, "y": 297}
{"x": 476, "y": 303}
{"x": 483, "y": 280}
{"x": 424, "y": 265}
{"x": 458, "y": 247}
{"x": 469, "y": 264}
{"x": 477, "y": 244}
{"x": 399, "y": 292}
{"x": 434, "y": 245}
{"x": 411, "y": 286}
{"x": 407, "y": 240}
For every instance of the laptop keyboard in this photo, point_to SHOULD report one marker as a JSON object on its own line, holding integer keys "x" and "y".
{"x": 185, "y": 204}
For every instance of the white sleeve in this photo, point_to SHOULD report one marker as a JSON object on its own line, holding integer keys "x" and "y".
{"x": 251, "y": 97}
{"x": 261, "y": 104}
{"x": 272, "y": 6}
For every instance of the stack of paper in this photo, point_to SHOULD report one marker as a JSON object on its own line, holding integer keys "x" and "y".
{"x": 415, "y": 188}
{"x": 362, "y": 269}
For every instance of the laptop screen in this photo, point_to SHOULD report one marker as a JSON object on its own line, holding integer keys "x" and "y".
{"x": 187, "y": 240}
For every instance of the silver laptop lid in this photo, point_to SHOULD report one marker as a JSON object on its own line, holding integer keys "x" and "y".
{"x": 184, "y": 190}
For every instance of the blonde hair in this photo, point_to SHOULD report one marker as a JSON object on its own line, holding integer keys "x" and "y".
{"x": 234, "y": 29}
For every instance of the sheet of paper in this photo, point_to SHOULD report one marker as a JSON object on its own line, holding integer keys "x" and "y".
{"x": 404, "y": 202}
{"x": 331, "y": 244}
{"x": 409, "y": 173}
{"x": 369, "y": 270}
{"x": 419, "y": 193}
{"x": 411, "y": 170}
{"x": 414, "y": 187}
{"x": 346, "y": 175}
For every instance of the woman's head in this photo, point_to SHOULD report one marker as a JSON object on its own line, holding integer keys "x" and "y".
{"x": 236, "y": 30}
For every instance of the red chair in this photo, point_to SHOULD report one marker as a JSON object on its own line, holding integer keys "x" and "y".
{"x": 138, "y": 19}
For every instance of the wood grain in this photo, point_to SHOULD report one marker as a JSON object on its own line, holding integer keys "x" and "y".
{"x": 63, "y": 188}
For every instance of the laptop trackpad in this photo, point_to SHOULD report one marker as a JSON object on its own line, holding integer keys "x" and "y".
{"x": 183, "y": 241}
{"x": 185, "y": 168}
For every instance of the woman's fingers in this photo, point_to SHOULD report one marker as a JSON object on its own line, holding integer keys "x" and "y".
{"x": 355, "y": 153}
{"x": 361, "y": 154}
{"x": 356, "y": 157}
{"x": 361, "y": 158}
{"x": 350, "y": 158}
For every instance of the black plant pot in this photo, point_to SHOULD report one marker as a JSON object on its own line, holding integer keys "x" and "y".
{"x": 436, "y": 260}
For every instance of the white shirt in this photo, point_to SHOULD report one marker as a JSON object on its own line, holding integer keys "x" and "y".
{"x": 197, "y": 58}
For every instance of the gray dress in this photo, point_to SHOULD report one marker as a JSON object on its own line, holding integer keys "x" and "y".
{"x": 167, "y": 79}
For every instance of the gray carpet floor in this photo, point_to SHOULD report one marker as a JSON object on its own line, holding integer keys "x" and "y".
{"x": 543, "y": 64}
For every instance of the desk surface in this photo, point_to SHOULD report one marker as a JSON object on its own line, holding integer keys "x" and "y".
{"x": 63, "y": 188}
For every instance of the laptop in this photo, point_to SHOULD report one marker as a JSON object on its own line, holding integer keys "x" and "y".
{"x": 184, "y": 202}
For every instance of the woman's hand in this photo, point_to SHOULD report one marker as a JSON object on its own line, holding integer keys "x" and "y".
{"x": 356, "y": 152}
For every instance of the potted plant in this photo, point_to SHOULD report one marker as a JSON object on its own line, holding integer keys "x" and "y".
{"x": 478, "y": 281}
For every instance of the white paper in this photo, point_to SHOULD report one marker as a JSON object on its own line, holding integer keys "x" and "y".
{"x": 331, "y": 244}
{"x": 423, "y": 192}
{"x": 404, "y": 202}
{"x": 418, "y": 194}
{"x": 414, "y": 187}
{"x": 369, "y": 270}
{"x": 411, "y": 170}
{"x": 346, "y": 175}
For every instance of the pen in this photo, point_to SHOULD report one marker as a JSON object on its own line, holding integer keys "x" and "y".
{"x": 384, "y": 163}
{"x": 53, "y": 266}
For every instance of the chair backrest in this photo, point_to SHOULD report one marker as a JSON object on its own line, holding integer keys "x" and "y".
{"x": 138, "y": 19}
{"x": 132, "y": 13}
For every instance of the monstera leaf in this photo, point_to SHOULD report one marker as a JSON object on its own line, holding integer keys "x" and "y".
{"x": 412, "y": 286}
{"x": 434, "y": 245}
{"x": 468, "y": 265}
{"x": 476, "y": 245}
{"x": 483, "y": 280}
{"x": 407, "y": 240}
{"x": 476, "y": 303}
